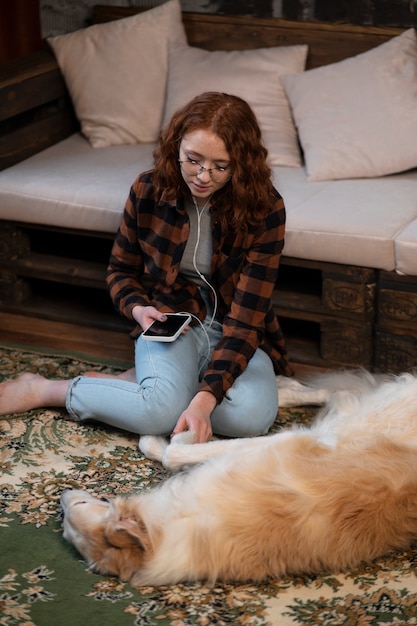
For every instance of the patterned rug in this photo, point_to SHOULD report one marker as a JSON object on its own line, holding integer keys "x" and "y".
{"x": 44, "y": 581}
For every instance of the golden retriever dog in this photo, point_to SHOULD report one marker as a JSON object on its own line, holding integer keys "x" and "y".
{"x": 303, "y": 501}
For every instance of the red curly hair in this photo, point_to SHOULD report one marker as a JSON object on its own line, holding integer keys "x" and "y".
{"x": 246, "y": 198}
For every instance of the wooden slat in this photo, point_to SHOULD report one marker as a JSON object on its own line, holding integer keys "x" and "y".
{"x": 301, "y": 304}
{"x": 346, "y": 342}
{"x": 58, "y": 269}
{"x": 31, "y": 93}
{"x": 35, "y": 107}
{"x": 28, "y": 83}
{"x": 327, "y": 43}
{"x": 326, "y": 289}
{"x": 397, "y": 300}
{"x": 30, "y": 139}
{"x": 35, "y": 64}
{"x": 107, "y": 13}
{"x": 395, "y": 349}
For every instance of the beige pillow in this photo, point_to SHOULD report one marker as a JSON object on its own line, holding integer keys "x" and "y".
{"x": 116, "y": 74}
{"x": 253, "y": 75}
{"x": 358, "y": 118}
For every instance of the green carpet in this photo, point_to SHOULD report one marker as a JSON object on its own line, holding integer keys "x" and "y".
{"x": 44, "y": 582}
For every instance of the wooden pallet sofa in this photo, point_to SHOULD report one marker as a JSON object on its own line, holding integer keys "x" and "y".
{"x": 347, "y": 292}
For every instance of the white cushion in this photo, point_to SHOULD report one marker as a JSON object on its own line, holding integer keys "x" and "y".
{"x": 406, "y": 250}
{"x": 72, "y": 185}
{"x": 358, "y": 118}
{"x": 353, "y": 222}
{"x": 253, "y": 75}
{"x": 116, "y": 74}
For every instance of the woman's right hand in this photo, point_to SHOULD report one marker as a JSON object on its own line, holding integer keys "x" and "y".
{"x": 145, "y": 315}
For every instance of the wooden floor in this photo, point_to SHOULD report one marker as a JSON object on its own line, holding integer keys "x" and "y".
{"x": 62, "y": 336}
{"x": 88, "y": 341}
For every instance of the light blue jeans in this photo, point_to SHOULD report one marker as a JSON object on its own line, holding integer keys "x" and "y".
{"x": 168, "y": 376}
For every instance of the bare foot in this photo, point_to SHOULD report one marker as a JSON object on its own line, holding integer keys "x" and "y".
{"x": 20, "y": 394}
{"x": 31, "y": 391}
{"x": 129, "y": 375}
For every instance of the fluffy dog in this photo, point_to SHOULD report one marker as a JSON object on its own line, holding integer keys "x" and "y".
{"x": 303, "y": 501}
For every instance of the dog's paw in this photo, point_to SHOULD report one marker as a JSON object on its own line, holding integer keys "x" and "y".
{"x": 177, "y": 454}
{"x": 153, "y": 447}
{"x": 186, "y": 437}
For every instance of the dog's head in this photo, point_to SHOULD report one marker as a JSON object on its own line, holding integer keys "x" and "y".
{"x": 108, "y": 533}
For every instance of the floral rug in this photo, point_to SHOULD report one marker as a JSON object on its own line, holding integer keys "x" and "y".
{"x": 44, "y": 581}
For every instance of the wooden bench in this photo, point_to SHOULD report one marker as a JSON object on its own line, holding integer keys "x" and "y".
{"x": 332, "y": 314}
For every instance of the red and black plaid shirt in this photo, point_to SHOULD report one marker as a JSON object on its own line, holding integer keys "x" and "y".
{"x": 244, "y": 268}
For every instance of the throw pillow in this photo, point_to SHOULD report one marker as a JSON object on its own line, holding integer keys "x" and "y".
{"x": 358, "y": 118}
{"x": 116, "y": 74}
{"x": 253, "y": 75}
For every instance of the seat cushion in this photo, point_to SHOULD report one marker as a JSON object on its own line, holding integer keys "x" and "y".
{"x": 73, "y": 185}
{"x": 365, "y": 222}
{"x": 353, "y": 222}
{"x": 406, "y": 250}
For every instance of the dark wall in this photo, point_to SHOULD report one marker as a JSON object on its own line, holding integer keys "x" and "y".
{"x": 20, "y": 29}
{"x": 388, "y": 12}
{"x": 375, "y": 12}
{"x": 259, "y": 8}
{"x": 24, "y": 22}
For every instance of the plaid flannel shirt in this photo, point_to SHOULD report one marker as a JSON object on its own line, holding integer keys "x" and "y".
{"x": 244, "y": 270}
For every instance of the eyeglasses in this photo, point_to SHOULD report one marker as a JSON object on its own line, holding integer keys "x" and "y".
{"x": 220, "y": 174}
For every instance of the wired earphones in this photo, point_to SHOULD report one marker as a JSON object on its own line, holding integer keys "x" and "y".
{"x": 199, "y": 212}
{"x": 203, "y": 278}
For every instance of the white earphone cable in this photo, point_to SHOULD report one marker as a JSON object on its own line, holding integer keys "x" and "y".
{"x": 203, "y": 278}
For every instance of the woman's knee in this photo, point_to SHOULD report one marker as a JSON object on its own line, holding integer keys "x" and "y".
{"x": 250, "y": 407}
{"x": 249, "y": 416}
{"x": 164, "y": 402}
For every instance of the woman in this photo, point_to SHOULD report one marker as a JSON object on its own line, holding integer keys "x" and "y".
{"x": 201, "y": 233}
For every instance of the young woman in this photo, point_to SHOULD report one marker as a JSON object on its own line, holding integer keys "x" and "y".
{"x": 201, "y": 233}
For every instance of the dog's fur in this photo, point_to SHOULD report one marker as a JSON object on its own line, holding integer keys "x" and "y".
{"x": 303, "y": 501}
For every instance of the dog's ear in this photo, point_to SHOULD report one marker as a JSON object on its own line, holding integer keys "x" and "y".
{"x": 127, "y": 533}
{"x": 129, "y": 547}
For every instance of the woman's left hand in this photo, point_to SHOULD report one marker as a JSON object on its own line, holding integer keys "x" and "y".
{"x": 196, "y": 417}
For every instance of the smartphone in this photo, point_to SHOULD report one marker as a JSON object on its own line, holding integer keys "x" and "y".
{"x": 168, "y": 330}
